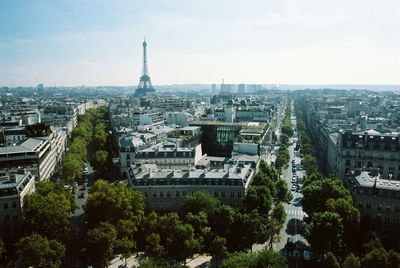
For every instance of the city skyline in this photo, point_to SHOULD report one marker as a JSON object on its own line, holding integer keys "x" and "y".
{"x": 72, "y": 43}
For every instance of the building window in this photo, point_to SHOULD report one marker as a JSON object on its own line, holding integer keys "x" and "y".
{"x": 177, "y": 193}
{"x": 239, "y": 194}
{"x": 223, "y": 194}
{"x": 215, "y": 194}
{"x": 369, "y": 164}
{"x": 154, "y": 195}
{"x": 145, "y": 194}
{"x": 397, "y": 208}
{"x": 5, "y": 205}
{"x": 232, "y": 194}
{"x": 14, "y": 204}
{"x": 168, "y": 194}
{"x": 347, "y": 162}
{"x": 368, "y": 205}
{"x": 184, "y": 193}
{"x": 161, "y": 194}
{"x": 7, "y": 218}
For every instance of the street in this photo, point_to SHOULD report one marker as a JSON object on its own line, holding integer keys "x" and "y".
{"x": 294, "y": 225}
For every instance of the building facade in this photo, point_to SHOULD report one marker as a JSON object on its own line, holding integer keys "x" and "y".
{"x": 13, "y": 188}
{"x": 165, "y": 189}
{"x": 376, "y": 198}
{"x": 369, "y": 149}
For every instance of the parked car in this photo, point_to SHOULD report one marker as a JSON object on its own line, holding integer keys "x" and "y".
{"x": 293, "y": 187}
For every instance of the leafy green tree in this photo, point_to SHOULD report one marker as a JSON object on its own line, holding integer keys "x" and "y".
{"x": 284, "y": 139}
{"x": 330, "y": 261}
{"x": 153, "y": 247}
{"x": 99, "y": 160}
{"x": 38, "y": 130}
{"x": 316, "y": 193}
{"x": 377, "y": 257}
{"x": 252, "y": 228}
{"x": 99, "y": 136}
{"x": 125, "y": 247}
{"x": 324, "y": 233}
{"x": 72, "y": 167}
{"x": 268, "y": 170}
{"x": 265, "y": 258}
{"x": 199, "y": 201}
{"x": 101, "y": 242}
{"x": 177, "y": 238}
{"x": 282, "y": 192}
{"x": 259, "y": 198}
{"x": 158, "y": 263}
{"x": 307, "y": 149}
{"x": 310, "y": 164}
{"x": 276, "y": 221}
{"x": 218, "y": 249}
{"x": 37, "y": 251}
{"x": 221, "y": 220}
{"x": 351, "y": 261}
{"x": 113, "y": 203}
{"x": 78, "y": 148}
{"x": 47, "y": 213}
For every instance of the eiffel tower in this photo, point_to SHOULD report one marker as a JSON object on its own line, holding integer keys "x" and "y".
{"x": 145, "y": 83}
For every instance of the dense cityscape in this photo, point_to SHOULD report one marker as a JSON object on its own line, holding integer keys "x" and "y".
{"x": 232, "y": 176}
{"x": 170, "y": 169}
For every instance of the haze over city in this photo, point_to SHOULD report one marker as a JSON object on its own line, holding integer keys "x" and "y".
{"x": 70, "y": 43}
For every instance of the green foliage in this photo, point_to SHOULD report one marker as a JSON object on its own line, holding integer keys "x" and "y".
{"x": 258, "y": 198}
{"x": 316, "y": 193}
{"x": 199, "y": 201}
{"x": 99, "y": 160}
{"x": 378, "y": 256}
{"x": 114, "y": 203}
{"x": 158, "y": 263}
{"x": 37, "y": 251}
{"x": 284, "y": 139}
{"x": 276, "y": 221}
{"x": 307, "y": 149}
{"x": 47, "y": 211}
{"x": 2, "y": 250}
{"x": 38, "y": 130}
{"x": 324, "y": 232}
{"x": 153, "y": 247}
{"x": 176, "y": 237}
{"x": 265, "y": 258}
{"x": 351, "y": 261}
{"x": 101, "y": 242}
{"x": 72, "y": 167}
{"x": 310, "y": 164}
{"x": 218, "y": 248}
{"x": 99, "y": 136}
{"x": 282, "y": 192}
{"x": 330, "y": 261}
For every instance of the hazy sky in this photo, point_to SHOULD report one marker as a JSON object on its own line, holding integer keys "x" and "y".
{"x": 99, "y": 42}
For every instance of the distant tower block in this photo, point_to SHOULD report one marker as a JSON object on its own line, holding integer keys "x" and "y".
{"x": 145, "y": 83}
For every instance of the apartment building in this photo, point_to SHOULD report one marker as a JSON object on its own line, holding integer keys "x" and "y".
{"x": 376, "y": 198}
{"x": 13, "y": 188}
{"x": 165, "y": 189}
{"x": 369, "y": 149}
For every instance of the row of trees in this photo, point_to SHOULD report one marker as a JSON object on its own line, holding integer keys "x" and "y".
{"x": 334, "y": 230}
{"x": 46, "y": 225}
{"x": 309, "y": 162}
{"x": 117, "y": 223}
{"x": 283, "y": 156}
{"x": 91, "y": 128}
{"x": 100, "y": 159}
{"x": 333, "y": 225}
